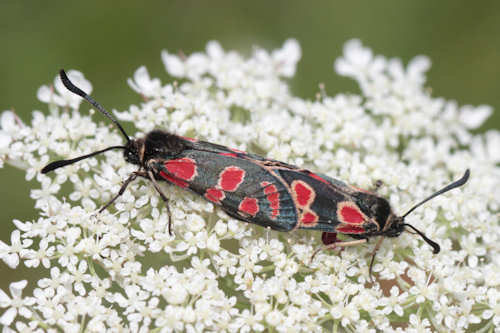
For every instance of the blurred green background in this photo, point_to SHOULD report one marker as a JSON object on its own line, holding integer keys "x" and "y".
{"x": 108, "y": 40}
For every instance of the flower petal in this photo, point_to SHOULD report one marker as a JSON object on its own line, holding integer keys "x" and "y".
{"x": 8, "y": 316}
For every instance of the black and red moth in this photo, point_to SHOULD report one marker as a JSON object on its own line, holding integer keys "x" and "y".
{"x": 255, "y": 189}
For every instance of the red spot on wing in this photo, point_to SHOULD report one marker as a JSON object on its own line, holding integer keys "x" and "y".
{"x": 181, "y": 168}
{"x": 304, "y": 193}
{"x": 315, "y": 176}
{"x": 238, "y": 151}
{"x": 228, "y": 154}
{"x": 249, "y": 206}
{"x": 215, "y": 195}
{"x": 309, "y": 218}
{"x": 274, "y": 199}
{"x": 350, "y": 213}
{"x": 230, "y": 178}
{"x": 349, "y": 229}
{"x": 173, "y": 180}
{"x": 189, "y": 139}
{"x": 273, "y": 196}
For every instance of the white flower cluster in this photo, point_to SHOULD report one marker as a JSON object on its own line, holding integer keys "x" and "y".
{"x": 120, "y": 270}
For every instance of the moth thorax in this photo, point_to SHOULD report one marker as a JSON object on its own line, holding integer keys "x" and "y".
{"x": 162, "y": 144}
{"x": 375, "y": 207}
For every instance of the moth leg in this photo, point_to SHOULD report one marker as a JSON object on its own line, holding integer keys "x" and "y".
{"x": 339, "y": 244}
{"x": 130, "y": 179}
{"x": 374, "y": 252}
{"x": 164, "y": 198}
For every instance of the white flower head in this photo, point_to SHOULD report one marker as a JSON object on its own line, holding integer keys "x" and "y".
{"x": 120, "y": 269}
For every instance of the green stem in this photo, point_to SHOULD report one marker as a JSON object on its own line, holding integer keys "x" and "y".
{"x": 335, "y": 326}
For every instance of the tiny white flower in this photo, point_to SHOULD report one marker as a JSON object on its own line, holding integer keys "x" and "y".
{"x": 79, "y": 277}
{"x": 417, "y": 325}
{"x": 10, "y": 254}
{"x": 56, "y": 280}
{"x": 16, "y": 305}
{"x": 274, "y": 318}
{"x": 173, "y": 64}
{"x": 175, "y": 295}
{"x": 226, "y": 262}
{"x": 143, "y": 84}
{"x": 287, "y": 57}
{"x": 358, "y": 60}
{"x": 348, "y": 314}
{"x": 474, "y": 117}
{"x": 44, "y": 196}
{"x": 10, "y": 123}
{"x": 394, "y": 303}
{"x": 43, "y": 255}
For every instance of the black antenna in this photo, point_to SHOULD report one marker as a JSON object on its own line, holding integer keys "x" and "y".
{"x": 435, "y": 246}
{"x": 451, "y": 186}
{"x": 58, "y": 164}
{"x": 74, "y": 89}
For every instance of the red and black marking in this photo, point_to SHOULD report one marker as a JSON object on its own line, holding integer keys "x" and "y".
{"x": 315, "y": 176}
{"x": 303, "y": 193}
{"x": 215, "y": 195}
{"x": 350, "y": 229}
{"x": 273, "y": 198}
{"x": 179, "y": 171}
{"x": 304, "y": 196}
{"x": 249, "y": 206}
{"x": 189, "y": 139}
{"x": 349, "y": 213}
{"x": 228, "y": 181}
{"x": 229, "y": 154}
{"x": 231, "y": 178}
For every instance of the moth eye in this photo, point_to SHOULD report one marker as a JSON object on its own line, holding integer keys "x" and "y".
{"x": 131, "y": 154}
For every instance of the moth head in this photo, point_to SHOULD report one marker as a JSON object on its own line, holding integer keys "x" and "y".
{"x": 134, "y": 151}
{"x": 395, "y": 226}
